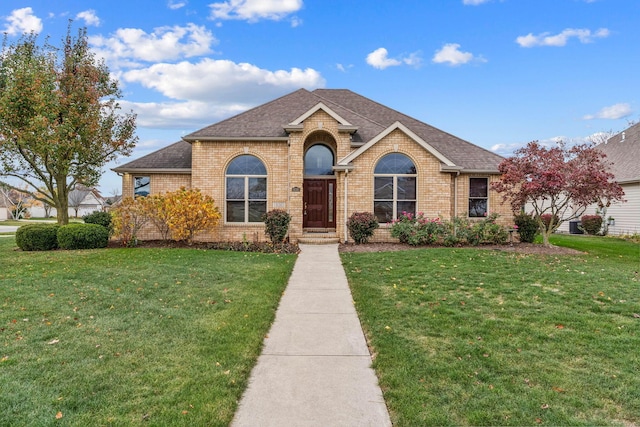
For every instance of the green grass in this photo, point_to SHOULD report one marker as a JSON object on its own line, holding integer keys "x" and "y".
{"x": 480, "y": 337}
{"x": 131, "y": 336}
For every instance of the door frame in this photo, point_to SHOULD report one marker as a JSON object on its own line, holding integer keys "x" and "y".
{"x": 329, "y": 205}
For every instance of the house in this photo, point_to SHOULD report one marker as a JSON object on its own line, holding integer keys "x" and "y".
{"x": 82, "y": 200}
{"x": 623, "y": 150}
{"x": 4, "y": 208}
{"x": 322, "y": 155}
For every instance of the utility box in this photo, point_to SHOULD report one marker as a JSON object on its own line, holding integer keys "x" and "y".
{"x": 574, "y": 227}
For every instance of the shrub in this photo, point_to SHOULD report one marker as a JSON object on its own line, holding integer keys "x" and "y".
{"x": 361, "y": 226}
{"x": 527, "y": 227}
{"x": 128, "y": 218}
{"x": 417, "y": 229}
{"x": 484, "y": 232}
{"x": 100, "y": 218}
{"x": 591, "y": 224}
{"x": 190, "y": 213}
{"x": 37, "y": 237}
{"x": 82, "y": 236}
{"x": 276, "y": 224}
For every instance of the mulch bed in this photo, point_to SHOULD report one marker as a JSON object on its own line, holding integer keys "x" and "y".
{"x": 517, "y": 247}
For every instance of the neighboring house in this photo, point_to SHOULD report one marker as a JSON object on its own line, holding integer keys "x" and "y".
{"x": 322, "y": 156}
{"x": 623, "y": 151}
{"x": 4, "y": 209}
{"x": 82, "y": 201}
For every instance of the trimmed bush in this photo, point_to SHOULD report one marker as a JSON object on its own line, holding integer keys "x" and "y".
{"x": 417, "y": 230}
{"x": 37, "y": 237}
{"x": 100, "y": 218}
{"x": 361, "y": 226}
{"x": 527, "y": 227}
{"x": 591, "y": 224}
{"x": 82, "y": 236}
{"x": 276, "y": 224}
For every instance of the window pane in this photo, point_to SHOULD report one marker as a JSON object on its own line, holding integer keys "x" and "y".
{"x": 406, "y": 188}
{"x": 141, "y": 186}
{"x": 246, "y": 165}
{"x": 256, "y": 210}
{"x": 235, "y": 211}
{"x": 409, "y": 207}
{"x": 478, "y": 187}
{"x": 477, "y": 207}
{"x": 318, "y": 160}
{"x": 383, "y": 188}
{"x": 330, "y": 219}
{"x": 257, "y": 188}
{"x": 235, "y": 188}
{"x": 395, "y": 163}
{"x": 383, "y": 211}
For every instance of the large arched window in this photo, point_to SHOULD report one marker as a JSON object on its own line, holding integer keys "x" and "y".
{"x": 318, "y": 160}
{"x": 246, "y": 196}
{"x": 394, "y": 187}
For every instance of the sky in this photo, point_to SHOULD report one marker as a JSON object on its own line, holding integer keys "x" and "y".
{"x": 497, "y": 73}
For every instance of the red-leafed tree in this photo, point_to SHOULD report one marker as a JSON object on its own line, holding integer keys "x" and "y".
{"x": 60, "y": 121}
{"x": 559, "y": 182}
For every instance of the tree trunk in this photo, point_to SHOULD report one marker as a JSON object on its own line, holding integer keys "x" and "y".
{"x": 62, "y": 201}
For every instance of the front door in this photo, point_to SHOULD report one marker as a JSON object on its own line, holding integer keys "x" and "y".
{"x": 319, "y": 203}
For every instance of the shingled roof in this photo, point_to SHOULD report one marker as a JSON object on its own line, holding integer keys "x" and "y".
{"x": 268, "y": 122}
{"x": 175, "y": 158}
{"x": 623, "y": 150}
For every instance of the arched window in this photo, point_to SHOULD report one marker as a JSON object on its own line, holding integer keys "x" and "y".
{"x": 318, "y": 160}
{"x": 246, "y": 195}
{"x": 394, "y": 187}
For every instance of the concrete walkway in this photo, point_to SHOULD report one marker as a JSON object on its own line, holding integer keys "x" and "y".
{"x": 315, "y": 368}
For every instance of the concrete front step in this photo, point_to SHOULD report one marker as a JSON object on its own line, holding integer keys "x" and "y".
{"x": 319, "y": 238}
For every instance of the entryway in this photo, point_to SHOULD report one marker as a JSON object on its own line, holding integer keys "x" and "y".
{"x": 319, "y": 204}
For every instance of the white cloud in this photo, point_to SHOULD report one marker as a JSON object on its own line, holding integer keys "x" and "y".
{"x": 254, "y": 10}
{"x": 89, "y": 17}
{"x": 452, "y": 55}
{"x": 176, "y": 4}
{"x": 23, "y": 21}
{"x": 379, "y": 59}
{"x": 614, "y": 112}
{"x": 128, "y": 45}
{"x": 474, "y": 2}
{"x": 211, "y": 90}
{"x": 221, "y": 79}
{"x": 561, "y": 39}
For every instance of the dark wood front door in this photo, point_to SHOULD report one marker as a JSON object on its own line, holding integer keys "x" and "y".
{"x": 319, "y": 203}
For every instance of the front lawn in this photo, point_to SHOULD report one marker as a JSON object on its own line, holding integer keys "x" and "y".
{"x": 131, "y": 336}
{"x": 483, "y": 337}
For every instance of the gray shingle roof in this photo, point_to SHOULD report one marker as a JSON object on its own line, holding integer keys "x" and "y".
{"x": 267, "y": 121}
{"x": 624, "y": 153}
{"x": 175, "y": 157}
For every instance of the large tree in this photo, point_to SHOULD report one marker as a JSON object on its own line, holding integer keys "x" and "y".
{"x": 60, "y": 121}
{"x": 559, "y": 181}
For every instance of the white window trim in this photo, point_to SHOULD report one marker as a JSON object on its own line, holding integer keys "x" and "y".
{"x": 246, "y": 199}
{"x": 478, "y": 198}
{"x": 395, "y": 191}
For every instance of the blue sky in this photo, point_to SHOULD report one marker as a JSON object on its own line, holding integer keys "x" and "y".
{"x": 498, "y": 73}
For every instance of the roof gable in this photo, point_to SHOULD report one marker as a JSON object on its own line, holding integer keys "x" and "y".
{"x": 399, "y": 126}
{"x": 320, "y": 106}
{"x": 623, "y": 151}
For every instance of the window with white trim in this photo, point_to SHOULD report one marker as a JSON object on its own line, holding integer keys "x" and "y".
{"x": 246, "y": 192}
{"x": 394, "y": 189}
{"x": 478, "y": 197}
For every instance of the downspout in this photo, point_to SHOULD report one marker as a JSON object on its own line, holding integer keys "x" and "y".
{"x": 346, "y": 190}
{"x": 455, "y": 201}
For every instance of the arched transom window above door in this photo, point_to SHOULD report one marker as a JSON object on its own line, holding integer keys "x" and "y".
{"x": 394, "y": 190}
{"x": 318, "y": 160}
{"x": 246, "y": 193}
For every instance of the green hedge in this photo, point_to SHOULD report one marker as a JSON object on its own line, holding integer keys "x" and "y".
{"x": 82, "y": 236}
{"x": 100, "y": 218}
{"x": 37, "y": 237}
